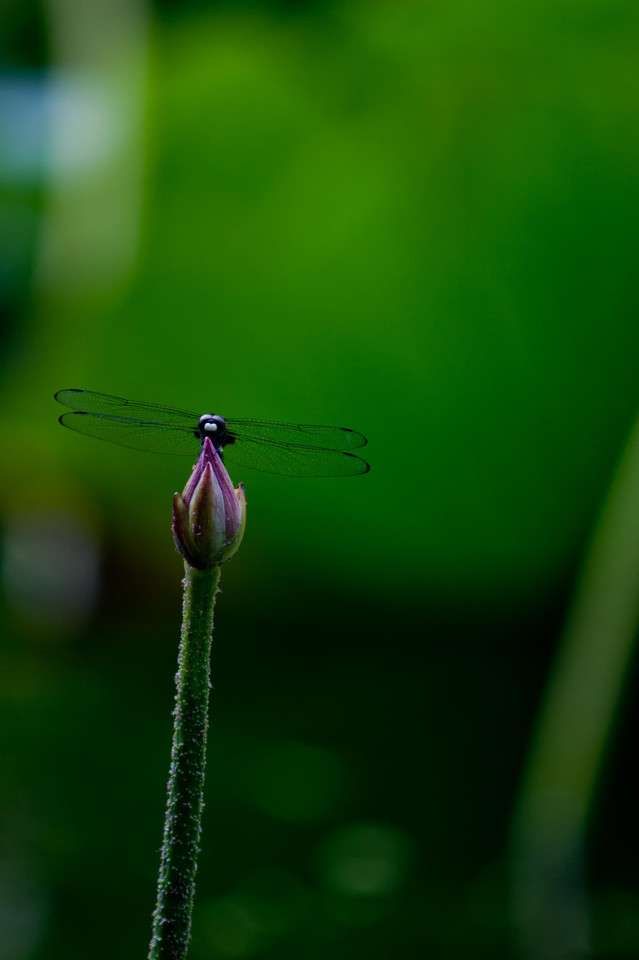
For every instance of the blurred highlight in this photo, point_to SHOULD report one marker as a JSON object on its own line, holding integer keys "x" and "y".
{"x": 271, "y": 908}
{"x": 365, "y": 860}
{"x": 50, "y": 570}
{"x": 23, "y": 908}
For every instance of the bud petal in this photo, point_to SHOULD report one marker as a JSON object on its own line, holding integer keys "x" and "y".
{"x": 209, "y": 517}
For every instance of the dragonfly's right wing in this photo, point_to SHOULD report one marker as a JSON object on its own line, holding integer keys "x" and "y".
{"x": 299, "y": 434}
{"x": 139, "y": 434}
{"x": 293, "y": 460}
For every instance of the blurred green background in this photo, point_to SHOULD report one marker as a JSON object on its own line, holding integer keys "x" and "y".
{"x": 418, "y": 220}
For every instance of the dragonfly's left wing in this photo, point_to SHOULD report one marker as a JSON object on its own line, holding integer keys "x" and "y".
{"x": 139, "y": 434}
{"x": 86, "y": 401}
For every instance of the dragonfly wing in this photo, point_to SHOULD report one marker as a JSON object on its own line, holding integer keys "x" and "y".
{"x": 86, "y": 401}
{"x": 139, "y": 434}
{"x": 306, "y": 435}
{"x": 292, "y": 460}
{"x": 295, "y": 450}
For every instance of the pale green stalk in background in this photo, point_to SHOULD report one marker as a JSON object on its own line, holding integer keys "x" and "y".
{"x": 573, "y": 730}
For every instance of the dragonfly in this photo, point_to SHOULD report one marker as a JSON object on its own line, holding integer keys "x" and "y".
{"x": 290, "y": 449}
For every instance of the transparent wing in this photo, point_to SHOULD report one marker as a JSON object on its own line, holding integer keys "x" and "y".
{"x": 139, "y": 434}
{"x": 306, "y": 435}
{"x": 294, "y": 450}
{"x": 309, "y": 435}
{"x": 86, "y": 401}
{"x": 292, "y": 460}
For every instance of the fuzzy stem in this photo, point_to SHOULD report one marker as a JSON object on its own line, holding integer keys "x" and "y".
{"x": 182, "y": 823}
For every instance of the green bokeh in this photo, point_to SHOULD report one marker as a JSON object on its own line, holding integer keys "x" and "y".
{"x": 417, "y": 220}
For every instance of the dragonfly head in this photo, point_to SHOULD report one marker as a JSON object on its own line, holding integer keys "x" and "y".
{"x": 213, "y": 427}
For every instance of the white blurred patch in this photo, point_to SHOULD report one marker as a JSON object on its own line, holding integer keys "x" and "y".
{"x": 79, "y": 129}
{"x": 62, "y": 123}
{"x": 89, "y": 128}
{"x": 23, "y": 112}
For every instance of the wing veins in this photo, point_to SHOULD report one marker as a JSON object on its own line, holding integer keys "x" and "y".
{"x": 102, "y": 404}
{"x": 311, "y": 436}
{"x": 296, "y": 460}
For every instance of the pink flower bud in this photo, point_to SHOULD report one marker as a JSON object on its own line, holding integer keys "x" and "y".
{"x": 209, "y": 517}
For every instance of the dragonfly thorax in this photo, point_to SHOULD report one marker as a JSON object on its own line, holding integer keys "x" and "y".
{"x": 213, "y": 427}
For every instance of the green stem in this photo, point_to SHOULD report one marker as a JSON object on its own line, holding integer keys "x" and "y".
{"x": 182, "y": 824}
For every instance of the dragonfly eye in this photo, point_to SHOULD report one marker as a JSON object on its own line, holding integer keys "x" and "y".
{"x": 214, "y": 427}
